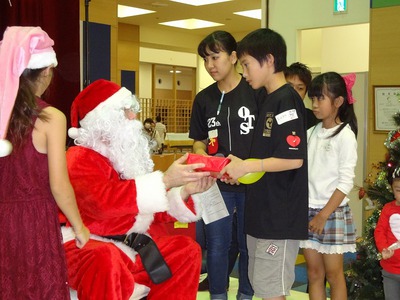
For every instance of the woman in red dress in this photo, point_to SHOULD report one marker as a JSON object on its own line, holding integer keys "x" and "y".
{"x": 34, "y": 180}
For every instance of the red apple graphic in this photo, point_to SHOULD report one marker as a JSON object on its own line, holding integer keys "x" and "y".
{"x": 293, "y": 140}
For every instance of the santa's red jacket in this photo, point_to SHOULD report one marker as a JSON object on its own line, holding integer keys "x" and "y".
{"x": 105, "y": 269}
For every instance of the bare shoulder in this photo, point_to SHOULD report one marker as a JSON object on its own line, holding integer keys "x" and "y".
{"x": 54, "y": 114}
{"x": 49, "y": 131}
{"x": 55, "y": 120}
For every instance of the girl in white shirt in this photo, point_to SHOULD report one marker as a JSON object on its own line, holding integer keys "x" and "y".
{"x": 332, "y": 157}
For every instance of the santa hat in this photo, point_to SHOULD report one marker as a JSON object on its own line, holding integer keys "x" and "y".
{"x": 21, "y": 48}
{"x": 95, "y": 100}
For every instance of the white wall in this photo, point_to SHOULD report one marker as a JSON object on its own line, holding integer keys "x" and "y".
{"x": 203, "y": 78}
{"x": 184, "y": 82}
{"x": 145, "y": 80}
{"x": 331, "y": 42}
{"x": 360, "y": 93}
{"x": 167, "y": 57}
{"x": 315, "y": 36}
{"x": 153, "y": 38}
{"x": 340, "y": 48}
{"x": 318, "y": 38}
{"x": 288, "y": 17}
{"x": 345, "y": 48}
{"x": 165, "y": 81}
{"x": 149, "y": 56}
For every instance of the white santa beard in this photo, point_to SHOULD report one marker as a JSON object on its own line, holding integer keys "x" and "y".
{"x": 120, "y": 140}
{"x": 129, "y": 151}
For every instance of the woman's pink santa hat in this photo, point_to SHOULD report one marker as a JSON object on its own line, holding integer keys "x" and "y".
{"x": 21, "y": 48}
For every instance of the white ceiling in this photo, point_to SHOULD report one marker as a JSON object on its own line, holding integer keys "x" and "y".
{"x": 169, "y": 11}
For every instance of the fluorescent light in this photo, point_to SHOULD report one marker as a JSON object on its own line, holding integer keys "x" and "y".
{"x": 255, "y": 13}
{"x": 191, "y": 24}
{"x": 199, "y": 2}
{"x": 177, "y": 71}
{"x": 129, "y": 11}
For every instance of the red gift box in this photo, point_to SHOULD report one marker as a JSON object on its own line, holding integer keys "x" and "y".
{"x": 213, "y": 164}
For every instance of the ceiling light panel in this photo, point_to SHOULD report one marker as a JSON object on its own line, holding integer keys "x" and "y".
{"x": 191, "y": 24}
{"x": 129, "y": 11}
{"x": 199, "y": 2}
{"x": 255, "y": 13}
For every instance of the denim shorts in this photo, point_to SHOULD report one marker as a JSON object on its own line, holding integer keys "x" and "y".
{"x": 271, "y": 266}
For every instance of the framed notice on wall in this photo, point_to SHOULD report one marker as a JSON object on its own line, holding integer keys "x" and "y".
{"x": 387, "y": 103}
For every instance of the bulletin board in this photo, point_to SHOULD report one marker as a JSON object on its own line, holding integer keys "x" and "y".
{"x": 387, "y": 103}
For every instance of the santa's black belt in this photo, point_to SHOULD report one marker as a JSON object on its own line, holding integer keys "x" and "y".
{"x": 152, "y": 259}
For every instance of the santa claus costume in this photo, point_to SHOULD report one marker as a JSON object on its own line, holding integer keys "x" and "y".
{"x": 118, "y": 194}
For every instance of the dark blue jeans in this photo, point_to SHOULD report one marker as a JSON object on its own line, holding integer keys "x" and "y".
{"x": 218, "y": 239}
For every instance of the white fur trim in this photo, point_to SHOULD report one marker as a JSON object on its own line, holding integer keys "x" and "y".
{"x": 142, "y": 223}
{"x": 139, "y": 290}
{"x": 151, "y": 193}
{"x": 151, "y": 198}
{"x": 198, "y": 207}
{"x": 73, "y": 133}
{"x": 123, "y": 98}
{"x": 42, "y": 59}
{"x": 5, "y": 148}
{"x": 178, "y": 208}
{"x": 124, "y": 248}
{"x": 69, "y": 235}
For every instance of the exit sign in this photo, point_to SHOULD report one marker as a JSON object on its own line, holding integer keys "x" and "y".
{"x": 339, "y": 6}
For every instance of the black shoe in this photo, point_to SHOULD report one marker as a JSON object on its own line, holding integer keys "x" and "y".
{"x": 203, "y": 286}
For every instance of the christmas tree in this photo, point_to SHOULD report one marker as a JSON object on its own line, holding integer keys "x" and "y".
{"x": 363, "y": 276}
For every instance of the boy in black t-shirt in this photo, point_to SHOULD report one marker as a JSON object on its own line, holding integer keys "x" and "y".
{"x": 276, "y": 212}
{"x": 299, "y": 76}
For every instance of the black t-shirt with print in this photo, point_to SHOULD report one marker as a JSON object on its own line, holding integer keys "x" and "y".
{"x": 277, "y": 204}
{"x": 231, "y": 130}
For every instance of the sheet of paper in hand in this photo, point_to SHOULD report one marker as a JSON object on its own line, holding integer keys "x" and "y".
{"x": 213, "y": 204}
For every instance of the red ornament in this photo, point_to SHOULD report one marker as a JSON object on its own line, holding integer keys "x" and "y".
{"x": 213, "y": 145}
{"x": 395, "y": 136}
{"x": 361, "y": 193}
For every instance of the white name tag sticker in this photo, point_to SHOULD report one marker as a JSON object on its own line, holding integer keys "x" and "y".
{"x": 286, "y": 116}
{"x": 213, "y": 134}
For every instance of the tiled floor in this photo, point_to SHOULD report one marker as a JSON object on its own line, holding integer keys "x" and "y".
{"x": 233, "y": 285}
{"x": 299, "y": 287}
{"x": 298, "y": 292}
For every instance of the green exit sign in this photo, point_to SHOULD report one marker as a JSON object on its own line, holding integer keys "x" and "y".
{"x": 339, "y": 6}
